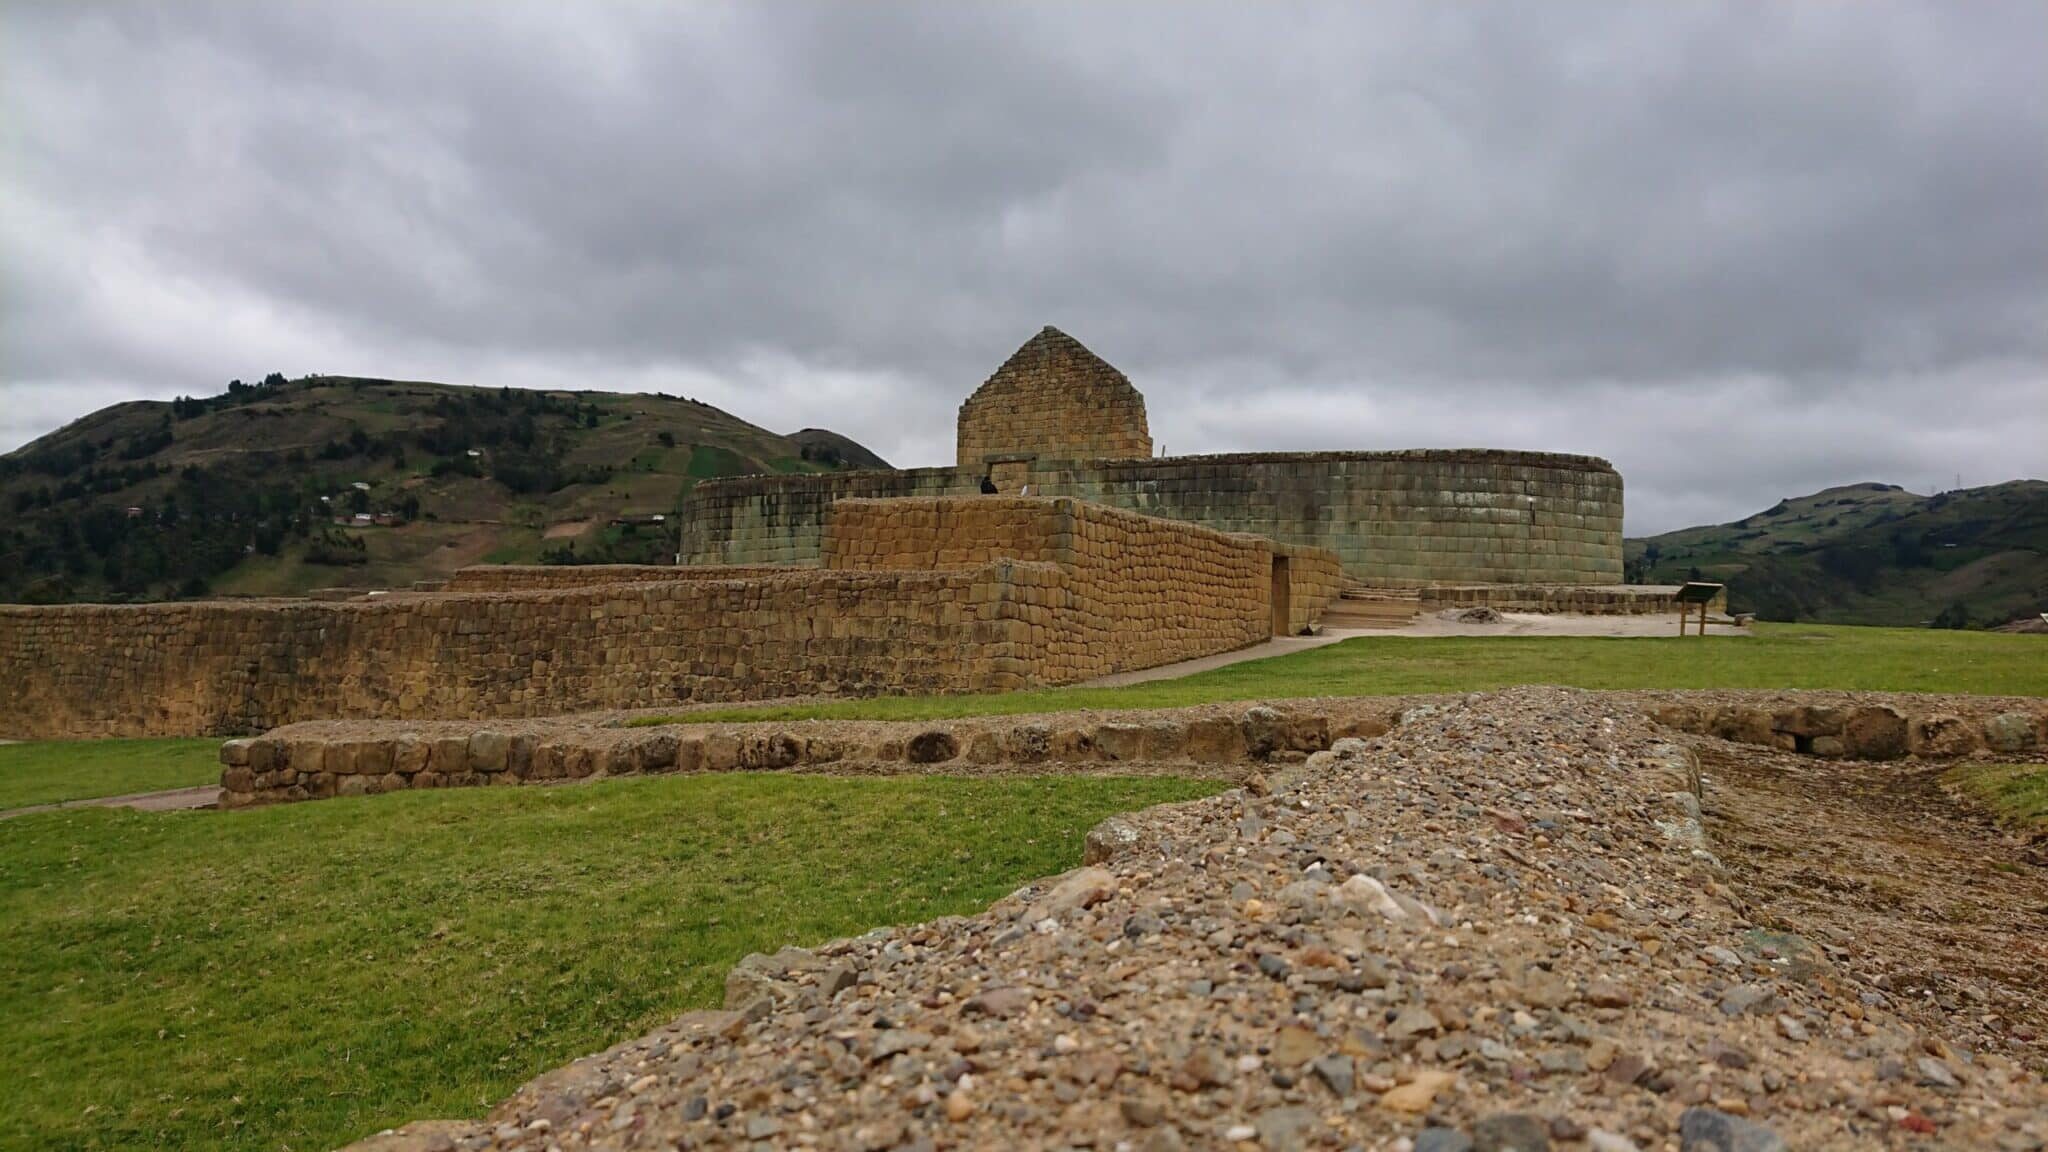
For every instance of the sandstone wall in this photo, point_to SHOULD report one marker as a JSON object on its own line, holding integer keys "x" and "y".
{"x": 948, "y": 533}
{"x": 224, "y": 667}
{"x": 1392, "y": 518}
{"x": 1038, "y": 592}
{"x": 1136, "y": 591}
{"x": 781, "y": 519}
{"x": 1315, "y": 577}
{"x": 1143, "y": 592}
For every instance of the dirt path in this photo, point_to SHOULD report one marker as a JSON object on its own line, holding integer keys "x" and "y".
{"x": 1925, "y": 903}
{"x": 171, "y": 800}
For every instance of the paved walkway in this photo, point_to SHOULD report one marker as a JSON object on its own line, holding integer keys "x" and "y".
{"x": 1445, "y": 623}
{"x": 1277, "y": 646}
{"x": 1427, "y": 624}
{"x": 176, "y": 799}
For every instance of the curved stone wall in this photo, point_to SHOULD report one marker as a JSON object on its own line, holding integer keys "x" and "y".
{"x": 1432, "y": 516}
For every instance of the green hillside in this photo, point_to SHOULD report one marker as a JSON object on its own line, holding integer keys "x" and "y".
{"x": 238, "y": 494}
{"x": 1872, "y": 554}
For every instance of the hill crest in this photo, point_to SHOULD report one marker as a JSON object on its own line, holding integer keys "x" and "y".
{"x": 240, "y": 493}
{"x": 1871, "y": 553}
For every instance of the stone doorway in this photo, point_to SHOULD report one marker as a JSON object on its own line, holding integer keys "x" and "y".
{"x": 1282, "y": 605}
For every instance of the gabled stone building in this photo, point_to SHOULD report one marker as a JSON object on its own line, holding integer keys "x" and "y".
{"x": 1053, "y": 397}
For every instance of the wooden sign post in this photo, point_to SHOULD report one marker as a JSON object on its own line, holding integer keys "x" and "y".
{"x": 1695, "y": 592}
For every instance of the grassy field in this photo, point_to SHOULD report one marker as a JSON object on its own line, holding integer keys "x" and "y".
{"x": 1778, "y": 656}
{"x": 51, "y": 771}
{"x": 298, "y": 976}
{"x": 2017, "y": 793}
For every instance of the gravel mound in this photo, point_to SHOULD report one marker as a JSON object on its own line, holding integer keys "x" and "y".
{"x": 1497, "y": 926}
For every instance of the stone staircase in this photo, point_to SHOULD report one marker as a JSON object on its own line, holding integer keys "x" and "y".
{"x": 1361, "y": 607}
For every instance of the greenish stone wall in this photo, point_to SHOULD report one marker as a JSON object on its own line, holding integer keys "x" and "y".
{"x": 1428, "y": 516}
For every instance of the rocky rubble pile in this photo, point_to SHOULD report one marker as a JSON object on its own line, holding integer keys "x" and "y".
{"x": 1495, "y": 927}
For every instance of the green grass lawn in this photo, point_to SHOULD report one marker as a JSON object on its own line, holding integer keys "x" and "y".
{"x": 299, "y": 976}
{"x": 2017, "y": 793}
{"x": 1778, "y": 656}
{"x": 50, "y": 771}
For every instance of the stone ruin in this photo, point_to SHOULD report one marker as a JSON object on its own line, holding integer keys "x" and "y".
{"x": 860, "y": 583}
{"x": 1061, "y": 421}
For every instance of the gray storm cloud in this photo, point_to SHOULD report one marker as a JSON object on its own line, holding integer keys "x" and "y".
{"x": 1743, "y": 251}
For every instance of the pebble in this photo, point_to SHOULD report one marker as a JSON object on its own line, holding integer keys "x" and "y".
{"x": 1336, "y": 1072}
{"x": 1745, "y": 998}
{"x": 1709, "y": 1130}
{"x": 1442, "y": 1140}
{"x": 1413, "y": 1021}
{"x": 1935, "y": 1073}
{"x": 1511, "y": 1132}
{"x": 1418, "y": 1094}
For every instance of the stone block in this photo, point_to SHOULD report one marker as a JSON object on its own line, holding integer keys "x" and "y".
{"x": 409, "y": 754}
{"x": 658, "y": 752}
{"x": 932, "y": 746}
{"x": 488, "y": 751}
{"x": 1216, "y": 740}
{"x": 450, "y": 755}
{"x": 1874, "y": 732}
{"x": 1942, "y": 737}
{"x": 373, "y": 757}
{"x": 721, "y": 752}
{"x": 1125, "y": 742}
{"x": 2011, "y": 733}
{"x": 1028, "y": 743}
{"x": 1165, "y": 740}
{"x": 1808, "y": 721}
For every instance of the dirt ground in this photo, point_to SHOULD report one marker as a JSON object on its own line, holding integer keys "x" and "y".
{"x": 1916, "y": 897}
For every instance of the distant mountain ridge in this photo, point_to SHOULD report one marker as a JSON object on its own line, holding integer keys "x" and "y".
{"x": 239, "y": 494}
{"x": 1872, "y": 554}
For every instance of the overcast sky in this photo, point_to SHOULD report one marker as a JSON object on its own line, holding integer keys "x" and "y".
{"x": 1742, "y": 251}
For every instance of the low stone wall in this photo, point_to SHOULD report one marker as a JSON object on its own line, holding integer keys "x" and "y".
{"x": 328, "y": 758}
{"x": 532, "y": 577}
{"x": 313, "y": 761}
{"x": 1856, "y": 727}
{"x": 1393, "y": 518}
{"x": 1606, "y": 600}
